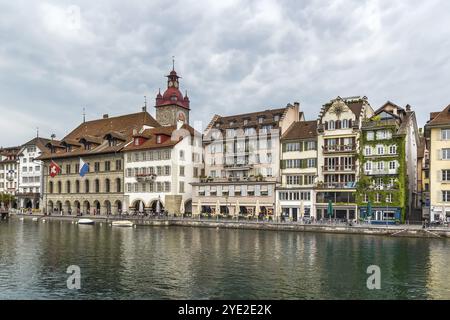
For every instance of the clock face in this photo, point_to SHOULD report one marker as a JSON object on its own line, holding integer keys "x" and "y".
{"x": 175, "y": 84}
{"x": 170, "y": 83}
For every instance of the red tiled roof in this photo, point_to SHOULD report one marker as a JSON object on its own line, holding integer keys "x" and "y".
{"x": 301, "y": 130}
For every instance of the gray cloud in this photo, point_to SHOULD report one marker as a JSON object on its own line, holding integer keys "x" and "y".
{"x": 233, "y": 56}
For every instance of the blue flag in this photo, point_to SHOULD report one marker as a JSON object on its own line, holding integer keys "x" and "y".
{"x": 84, "y": 168}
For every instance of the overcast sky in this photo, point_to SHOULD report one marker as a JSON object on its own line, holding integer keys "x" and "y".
{"x": 234, "y": 57}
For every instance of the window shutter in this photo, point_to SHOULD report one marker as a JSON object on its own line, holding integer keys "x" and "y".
{"x": 326, "y": 125}
{"x": 338, "y": 124}
{"x": 302, "y": 146}
{"x": 350, "y": 123}
{"x": 283, "y": 164}
{"x": 440, "y": 175}
{"x": 439, "y": 155}
{"x": 284, "y": 147}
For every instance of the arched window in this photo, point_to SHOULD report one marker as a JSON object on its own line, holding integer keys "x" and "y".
{"x": 59, "y": 187}
{"x": 86, "y": 186}
{"x": 50, "y": 187}
{"x": 68, "y": 187}
{"x": 107, "y": 185}
{"x": 77, "y": 186}
{"x": 345, "y": 124}
{"x": 331, "y": 125}
{"x": 97, "y": 186}
{"x": 118, "y": 185}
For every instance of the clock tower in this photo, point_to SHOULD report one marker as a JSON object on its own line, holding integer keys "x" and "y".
{"x": 171, "y": 106}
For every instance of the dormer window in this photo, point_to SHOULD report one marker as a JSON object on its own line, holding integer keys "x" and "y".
{"x": 331, "y": 125}
{"x": 158, "y": 139}
{"x": 245, "y": 122}
{"x": 68, "y": 148}
{"x": 87, "y": 146}
{"x": 112, "y": 142}
{"x": 276, "y": 117}
{"x": 173, "y": 98}
{"x": 231, "y": 123}
{"x": 260, "y": 119}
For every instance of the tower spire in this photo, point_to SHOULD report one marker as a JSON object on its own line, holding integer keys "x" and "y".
{"x": 173, "y": 63}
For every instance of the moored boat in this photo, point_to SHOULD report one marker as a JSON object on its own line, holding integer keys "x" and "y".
{"x": 85, "y": 221}
{"x": 122, "y": 223}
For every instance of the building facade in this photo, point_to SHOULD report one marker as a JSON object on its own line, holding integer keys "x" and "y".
{"x": 98, "y": 143}
{"x": 437, "y": 131}
{"x": 160, "y": 166}
{"x": 339, "y": 126}
{"x": 9, "y": 172}
{"x": 298, "y": 170}
{"x": 242, "y": 162}
{"x": 31, "y": 175}
{"x": 387, "y": 185}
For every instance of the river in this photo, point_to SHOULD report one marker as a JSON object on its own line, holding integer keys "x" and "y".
{"x": 203, "y": 263}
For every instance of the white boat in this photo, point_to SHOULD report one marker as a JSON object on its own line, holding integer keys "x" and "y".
{"x": 34, "y": 219}
{"x": 122, "y": 223}
{"x": 85, "y": 221}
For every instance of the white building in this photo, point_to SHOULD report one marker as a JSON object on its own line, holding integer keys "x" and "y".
{"x": 9, "y": 172}
{"x": 298, "y": 170}
{"x": 30, "y": 179}
{"x": 160, "y": 165}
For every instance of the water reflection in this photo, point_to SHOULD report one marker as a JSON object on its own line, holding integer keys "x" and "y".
{"x": 192, "y": 263}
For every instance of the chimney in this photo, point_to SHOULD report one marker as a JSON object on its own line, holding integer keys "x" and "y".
{"x": 408, "y": 107}
{"x": 144, "y": 109}
{"x": 105, "y": 116}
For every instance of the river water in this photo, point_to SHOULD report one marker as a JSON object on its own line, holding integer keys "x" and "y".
{"x": 202, "y": 263}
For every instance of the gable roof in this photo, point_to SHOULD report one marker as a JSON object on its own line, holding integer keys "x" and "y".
{"x": 301, "y": 130}
{"x": 441, "y": 118}
{"x": 175, "y": 136}
{"x": 95, "y": 132}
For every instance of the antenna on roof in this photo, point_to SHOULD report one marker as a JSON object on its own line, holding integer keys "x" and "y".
{"x": 53, "y": 136}
{"x": 173, "y": 63}
{"x": 37, "y": 132}
{"x": 84, "y": 115}
{"x": 145, "y": 101}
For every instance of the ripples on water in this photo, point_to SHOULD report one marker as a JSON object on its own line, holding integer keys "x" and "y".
{"x": 200, "y": 263}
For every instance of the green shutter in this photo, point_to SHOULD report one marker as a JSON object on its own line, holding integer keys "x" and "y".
{"x": 284, "y": 147}
{"x": 283, "y": 164}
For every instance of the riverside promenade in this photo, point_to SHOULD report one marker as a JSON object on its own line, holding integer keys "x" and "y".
{"x": 326, "y": 226}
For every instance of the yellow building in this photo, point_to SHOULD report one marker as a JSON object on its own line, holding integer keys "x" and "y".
{"x": 437, "y": 131}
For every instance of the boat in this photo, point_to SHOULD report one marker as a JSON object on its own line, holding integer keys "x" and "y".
{"x": 34, "y": 219}
{"x": 122, "y": 223}
{"x": 85, "y": 221}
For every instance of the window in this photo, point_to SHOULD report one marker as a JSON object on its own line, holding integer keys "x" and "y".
{"x": 370, "y": 135}
{"x": 445, "y": 134}
{"x": 107, "y": 166}
{"x": 368, "y": 151}
{"x": 393, "y": 149}
{"x": 365, "y": 197}
{"x": 167, "y": 170}
{"x": 181, "y": 187}
{"x": 377, "y": 197}
{"x": 159, "y": 171}
{"x": 331, "y": 125}
{"x": 276, "y": 118}
{"x": 380, "y": 150}
{"x": 68, "y": 187}
{"x": 166, "y": 186}
{"x": 68, "y": 169}
{"x": 77, "y": 186}
{"x": 380, "y": 165}
{"x": 368, "y": 166}
{"x": 97, "y": 186}
{"x": 293, "y": 180}
{"x": 181, "y": 171}
{"x": 446, "y": 195}
{"x": 392, "y": 165}
{"x": 445, "y": 175}
{"x": 107, "y": 185}
{"x": 445, "y": 154}
{"x": 118, "y": 185}
{"x": 292, "y": 146}
{"x": 97, "y": 167}
{"x": 311, "y": 163}
{"x": 260, "y": 119}
{"x": 118, "y": 165}
{"x": 389, "y": 197}
{"x": 344, "y": 124}
{"x": 59, "y": 187}
{"x": 311, "y": 145}
{"x": 50, "y": 187}
{"x": 86, "y": 186}
{"x": 158, "y": 139}
{"x": 195, "y": 172}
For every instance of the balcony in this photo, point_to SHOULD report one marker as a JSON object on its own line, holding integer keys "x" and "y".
{"x": 335, "y": 185}
{"x": 144, "y": 177}
{"x": 238, "y": 166}
{"x": 339, "y": 148}
{"x": 339, "y": 168}
{"x": 383, "y": 171}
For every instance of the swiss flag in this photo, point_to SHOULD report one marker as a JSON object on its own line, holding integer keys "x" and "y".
{"x": 54, "y": 169}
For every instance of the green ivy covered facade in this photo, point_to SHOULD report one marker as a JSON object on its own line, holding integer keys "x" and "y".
{"x": 382, "y": 190}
